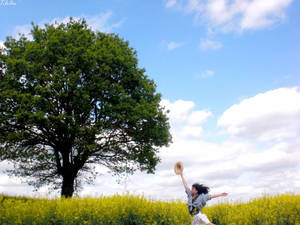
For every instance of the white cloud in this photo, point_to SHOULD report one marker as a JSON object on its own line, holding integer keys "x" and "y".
{"x": 2, "y": 44}
{"x": 173, "y": 45}
{"x": 179, "y": 110}
{"x": 207, "y": 44}
{"x": 185, "y": 122}
{"x": 170, "y": 3}
{"x": 260, "y": 14}
{"x": 198, "y": 117}
{"x": 237, "y": 15}
{"x": 191, "y": 131}
{"x": 100, "y": 22}
{"x": 273, "y": 115}
{"x": 2, "y": 48}
{"x": 206, "y": 74}
{"x": 22, "y": 30}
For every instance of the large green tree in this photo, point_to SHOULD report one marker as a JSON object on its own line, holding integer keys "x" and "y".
{"x": 72, "y": 98}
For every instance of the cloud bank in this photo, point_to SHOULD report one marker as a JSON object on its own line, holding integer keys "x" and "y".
{"x": 237, "y": 15}
{"x": 273, "y": 115}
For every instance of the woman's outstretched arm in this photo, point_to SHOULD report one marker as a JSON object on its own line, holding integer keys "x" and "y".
{"x": 218, "y": 195}
{"x": 184, "y": 182}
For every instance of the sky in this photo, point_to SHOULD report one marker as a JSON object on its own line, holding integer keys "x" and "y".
{"x": 228, "y": 71}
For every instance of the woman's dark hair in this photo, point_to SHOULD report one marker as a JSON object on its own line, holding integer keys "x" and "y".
{"x": 201, "y": 189}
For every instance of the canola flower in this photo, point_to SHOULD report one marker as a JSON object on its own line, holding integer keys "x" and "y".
{"x": 138, "y": 210}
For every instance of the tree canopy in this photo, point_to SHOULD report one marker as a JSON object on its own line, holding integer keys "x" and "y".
{"x": 72, "y": 98}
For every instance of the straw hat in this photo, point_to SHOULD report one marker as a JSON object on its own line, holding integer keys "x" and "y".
{"x": 178, "y": 167}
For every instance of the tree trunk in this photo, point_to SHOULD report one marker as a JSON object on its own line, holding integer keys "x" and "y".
{"x": 67, "y": 189}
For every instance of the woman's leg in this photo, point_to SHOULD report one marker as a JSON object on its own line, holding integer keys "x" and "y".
{"x": 201, "y": 218}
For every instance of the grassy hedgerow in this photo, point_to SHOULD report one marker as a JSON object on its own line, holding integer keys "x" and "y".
{"x": 137, "y": 210}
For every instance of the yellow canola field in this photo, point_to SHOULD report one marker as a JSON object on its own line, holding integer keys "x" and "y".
{"x": 138, "y": 210}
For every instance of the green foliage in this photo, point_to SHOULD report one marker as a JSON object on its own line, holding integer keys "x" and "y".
{"x": 71, "y": 98}
{"x": 137, "y": 210}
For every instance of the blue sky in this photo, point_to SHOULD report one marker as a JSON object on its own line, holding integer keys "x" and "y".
{"x": 214, "y": 62}
{"x": 248, "y": 62}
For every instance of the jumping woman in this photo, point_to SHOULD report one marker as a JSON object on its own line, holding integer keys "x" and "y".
{"x": 197, "y": 198}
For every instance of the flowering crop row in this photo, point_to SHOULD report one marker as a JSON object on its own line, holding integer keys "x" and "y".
{"x": 137, "y": 210}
